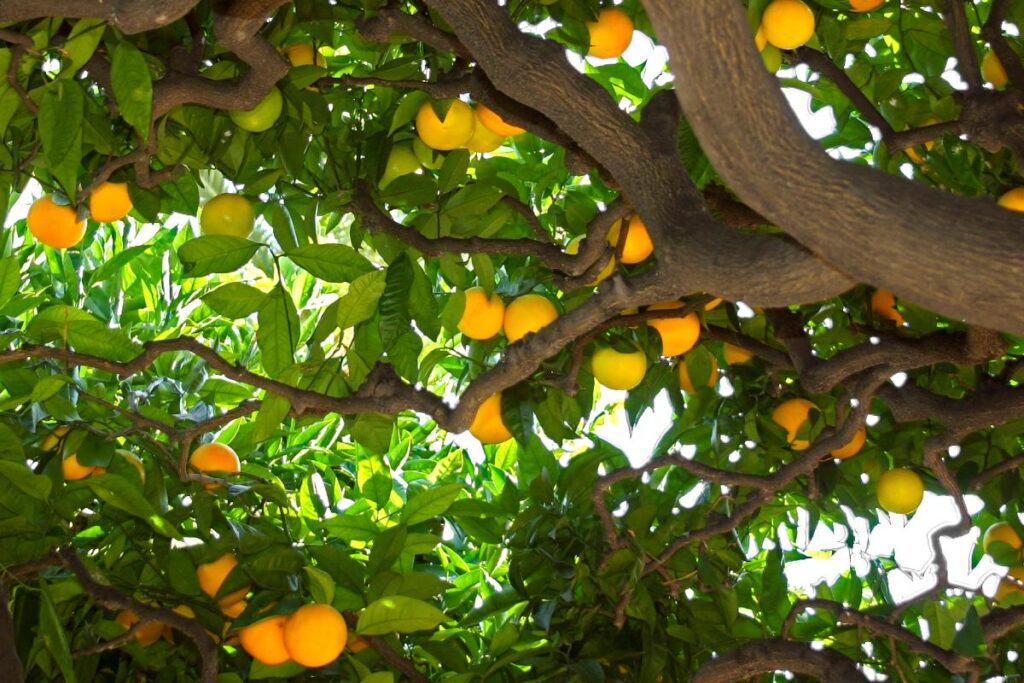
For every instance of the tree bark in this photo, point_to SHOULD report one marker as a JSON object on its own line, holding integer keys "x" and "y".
{"x": 764, "y": 656}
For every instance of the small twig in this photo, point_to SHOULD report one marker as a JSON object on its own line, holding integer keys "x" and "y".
{"x": 394, "y": 659}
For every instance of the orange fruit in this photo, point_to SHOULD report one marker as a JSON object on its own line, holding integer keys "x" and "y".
{"x": 853, "y": 447}
{"x": 304, "y": 54}
{"x": 573, "y": 248}
{"x": 791, "y": 415}
{"x": 74, "y": 470}
{"x": 110, "y": 202}
{"x": 215, "y": 457}
{"x": 684, "y": 376}
{"x": 483, "y": 140}
{"x": 759, "y": 38}
{"x": 264, "y": 640}
{"x": 482, "y": 316}
{"x": 611, "y": 34}
{"x": 617, "y": 370}
{"x": 1003, "y": 532}
{"x": 993, "y": 71}
{"x": 734, "y": 355}
{"x": 787, "y": 24}
{"x": 638, "y": 241}
{"x": 900, "y": 491}
{"x": 1008, "y": 588}
{"x": 55, "y": 225}
{"x": 357, "y": 644}
{"x": 147, "y": 634}
{"x": 488, "y": 426}
{"x": 526, "y": 314}
{"x": 232, "y": 610}
{"x": 883, "y": 303}
{"x": 227, "y": 214}
{"x": 1013, "y": 199}
{"x": 262, "y": 116}
{"x": 678, "y": 335}
{"x": 865, "y": 5}
{"x": 315, "y": 635}
{"x": 454, "y": 131}
{"x": 495, "y": 123}
{"x": 53, "y": 439}
{"x": 211, "y": 576}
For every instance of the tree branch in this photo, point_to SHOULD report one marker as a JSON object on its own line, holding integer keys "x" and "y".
{"x": 387, "y": 653}
{"x": 10, "y": 666}
{"x": 766, "y": 656}
{"x": 129, "y": 16}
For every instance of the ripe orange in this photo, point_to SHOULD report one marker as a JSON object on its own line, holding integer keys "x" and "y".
{"x": 900, "y": 491}
{"x": 616, "y": 370}
{"x": 684, "y": 376}
{"x": 526, "y": 314}
{"x": 788, "y": 24}
{"x": 573, "y": 248}
{"x": 488, "y": 426}
{"x": 1013, "y": 199}
{"x": 865, "y": 5}
{"x": 74, "y": 470}
{"x": 304, "y": 54}
{"x": 678, "y": 335}
{"x": 454, "y": 131}
{"x": 232, "y": 610}
{"x": 1002, "y": 532}
{"x": 482, "y": 316}
{"x": 211, "y": 576}
{"x": 791, "y": 415}
{"x": 227, "y": 214}
{"x": 1008, "y": 588}
{"x": 883, "y": 304}
{"x": 853, "y": 447}
{"x": 110, "y": 202}
{"x": 264, "y": 640}
{"x": 638, "y": 241}
{"x": 611, "y": 34}
{"x": 759, "y": 38}
{"x": 215, "y": 457}
{"x": 993, "y": 71}
{"x": 315, "y": 635}
{"x": 262, "y": 116}
{"x": 734, "y": 355}
{"x": 55, "y": 225}
{"x": 483, "y": 140}
{"x": 495, "y": 123}
{"x": 147, "y": 634}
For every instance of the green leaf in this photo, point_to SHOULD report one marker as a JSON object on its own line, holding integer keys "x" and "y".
{"x": 51, "y": 630}
{"x": 48, "y": 386}
{"x": 272, "y": 413}
{"x": 260, "y": 671}
{"x": 60, "y": 130}
{"x": 373, "y": 478}
{"x": 453, "y": 170}
{"x": 78, "y": 329}
{"x": 331, "y": 262}
{"x": 386, "y": 549}
{"x": 23, "y": 479}
{"x": 406, "y": 110}
{"x": 399, "y": 614}
{"x": 117, "y": 263}
{"x": 360, "y": 303}
{"x": 235, "y": 300}
{"x": 321, "y": 585}
{"x": 11, "y": 449}
{"x": 379, "y": 677}
{"x": 133, "y": 87}
{"x": 215, "y": 254}
{"x": 970, "y": 639}
{"x": 124, "y": 495}
{"x": 81, "y": 44}
{"x": 10, "y": 278}
{"x": 278, "y": 332}
{"x": 394, "y": 302}
{"x": 432, "y": 503}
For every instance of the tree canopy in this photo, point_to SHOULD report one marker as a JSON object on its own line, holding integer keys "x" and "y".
{"x": 311, "y": 314}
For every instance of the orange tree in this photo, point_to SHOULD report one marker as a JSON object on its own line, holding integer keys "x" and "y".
{"x": 262, "y": 259}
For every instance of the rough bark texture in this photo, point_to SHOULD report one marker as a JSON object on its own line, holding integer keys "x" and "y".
{"x": 764, "y": 656}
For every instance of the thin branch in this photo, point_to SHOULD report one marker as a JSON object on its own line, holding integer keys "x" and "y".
{"x": 963, "y": 44}
{"x": 992, "y": 31}
{"x": 387, "y": 653}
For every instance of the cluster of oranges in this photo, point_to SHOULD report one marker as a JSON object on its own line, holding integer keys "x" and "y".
{"x": 56, "y": 223}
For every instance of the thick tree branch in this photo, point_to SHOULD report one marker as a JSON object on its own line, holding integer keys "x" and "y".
{"x": 766, "y": 656}
{"x": 129, "y": 16}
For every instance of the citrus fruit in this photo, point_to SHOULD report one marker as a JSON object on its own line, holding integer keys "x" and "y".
{"x": 262, "y": 116}
{"x": 482, "y": 316}
{"x": 1013, "y": 199}
{"x": 865, "y": 5}
{"x": 494, "y": 123}
{"x": 853, "y": 447}
{"x": 713, "y": 304}
{"x": 315, "y": 635}
{"x": 791, "y": 415}
{"x": 110, "y": 202}
{"x": 759, "y": 38}
{"x": 55, "y": 225}
{"x": 303, "y": 54}
{"x": 452, "y": 132}
{"x": 401, "y": 161}
{"x": 52, "y": 440}
{"x": 678, "y": 335}
{"x": 638, "y": 244}
{"x": 483, "y": 140}
{"x": 1002, "y": 532}
{"x": 74, "y": 470}
{"x": 1008, "y": 588}
{"x": 147, "y": 634}
{"x": 211, "y": 576}
{"x": 883, "y": 303}
{"x": 611, "y": 34}
{"x": 526, "y": 314}
{"x": 617, "y": 370}
{"x": 357, "y": 644}
{"x": 900, "y": 491}
{"x": 227, "y": 214}
{"x": 684, "y": 376}
{"x": 573, "y": 248}
{"x": 993, "y": 71}
{"x": 426, "y": 155}
{"x": 232, "y": 610}
{"x": 734, "y": 355}
{"x": 488, "y": 426}
{"x": 264, "y": 640}
{"x": 787, "y": 24}
{"x": 215, "y": 457}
